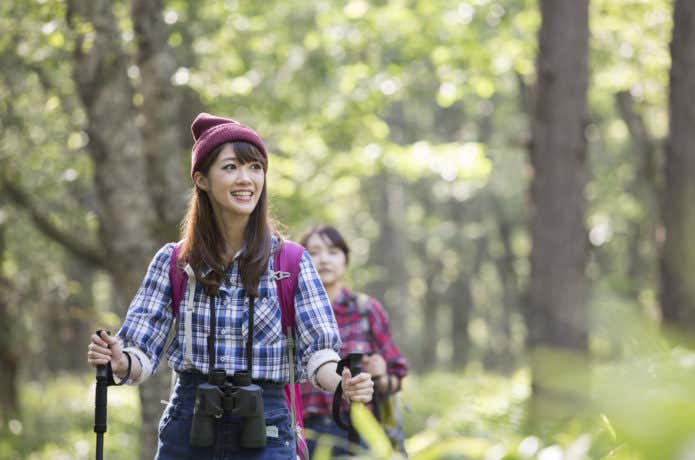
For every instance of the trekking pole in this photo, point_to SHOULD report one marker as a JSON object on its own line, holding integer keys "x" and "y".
{"x": 354, "y": 362}
{"x": 104, "y": 379}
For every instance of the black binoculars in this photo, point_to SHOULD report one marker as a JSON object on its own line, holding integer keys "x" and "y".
{"x": 217, "y": 397}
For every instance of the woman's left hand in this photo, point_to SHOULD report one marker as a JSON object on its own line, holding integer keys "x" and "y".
{"x": 359, "y": 388}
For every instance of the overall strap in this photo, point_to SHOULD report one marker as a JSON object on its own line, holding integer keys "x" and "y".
{"x": 188, "y": 319}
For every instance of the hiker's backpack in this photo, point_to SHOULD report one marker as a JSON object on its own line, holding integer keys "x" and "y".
{"x": 286, "y": 264}
{"x": 387, "y": 409}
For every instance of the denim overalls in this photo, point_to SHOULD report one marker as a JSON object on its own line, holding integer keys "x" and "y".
{"x": 175, "y": 427}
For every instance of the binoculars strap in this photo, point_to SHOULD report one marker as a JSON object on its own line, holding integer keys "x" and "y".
{"x": 211, "y": 336}
{"x": 249, "y": 338}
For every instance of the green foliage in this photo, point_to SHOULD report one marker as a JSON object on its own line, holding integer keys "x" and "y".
{"x": 58, "y": 419}
{"x": 356, "y": 99}
{"x": 642, "y": 410}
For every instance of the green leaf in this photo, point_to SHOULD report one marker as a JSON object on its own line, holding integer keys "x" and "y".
{"x": 369, "y": 429}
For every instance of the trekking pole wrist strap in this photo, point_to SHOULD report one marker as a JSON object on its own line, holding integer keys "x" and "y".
{"x": 121, "y": 381}
{"x": 337, "y": 397}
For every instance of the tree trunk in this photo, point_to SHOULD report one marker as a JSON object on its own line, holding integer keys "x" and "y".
{"x": 461, "y": 304}
{"x": 117, "y": 149}
{"x": 163, "y": 118}
{"x": 71, "y": 319}
{"x": 504, "y": 356}
{"x": 388, "y": 251}
{"x": 471, "y": 254}
{"x": 678, "y": 256}
{"x": 558, "y": 329}
{"x": 9, "y": 358}
{"x": 430, "y": 336}
{"x": 115, "y": 144}
{"x": 645, "y": 188}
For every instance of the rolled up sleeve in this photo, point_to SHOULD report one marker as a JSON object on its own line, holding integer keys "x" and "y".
{"x": 318, "y": 337}
{"x": 144, "y": 331}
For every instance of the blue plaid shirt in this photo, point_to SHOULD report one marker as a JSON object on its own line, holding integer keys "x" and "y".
{"x": 150, "y": 317}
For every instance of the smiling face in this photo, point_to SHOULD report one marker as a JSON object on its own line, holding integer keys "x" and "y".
{"x": 329, "y": 259}
{"x": 234, "y": 187}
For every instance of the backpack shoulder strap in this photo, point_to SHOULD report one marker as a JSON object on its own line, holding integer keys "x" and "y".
{"x": 177, "y": 280}
{"x": 286, "y": 264}
{"x": 365, "y": 308}
{"x": 363, "y": 304}
{"x": 286, "y": 274}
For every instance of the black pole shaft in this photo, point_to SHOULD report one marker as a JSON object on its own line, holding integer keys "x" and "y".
{"x": 355, "y": 369}
{"x": 100, "y": 402}
{"x": 100, "y": 446}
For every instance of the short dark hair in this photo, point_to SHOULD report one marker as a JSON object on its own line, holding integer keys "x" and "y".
{"x": 331, "y": 234}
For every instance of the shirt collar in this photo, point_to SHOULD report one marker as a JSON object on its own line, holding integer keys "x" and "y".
{"x": 344, "y": 301}
{"x": 206, "y": 270}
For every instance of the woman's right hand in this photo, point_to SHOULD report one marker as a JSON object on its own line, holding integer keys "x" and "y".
{"x": 103, "y": 349}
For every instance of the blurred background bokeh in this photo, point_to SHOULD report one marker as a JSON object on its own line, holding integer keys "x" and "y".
{"x": 516, "y": 179}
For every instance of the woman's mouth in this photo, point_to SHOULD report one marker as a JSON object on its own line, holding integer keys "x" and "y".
{"x": 245, "y": 195}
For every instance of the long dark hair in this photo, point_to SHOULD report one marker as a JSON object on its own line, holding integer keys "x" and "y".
{"x": 203, "y": 243}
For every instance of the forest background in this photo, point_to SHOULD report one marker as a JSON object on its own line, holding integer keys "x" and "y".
{"x": 515, "y": 178}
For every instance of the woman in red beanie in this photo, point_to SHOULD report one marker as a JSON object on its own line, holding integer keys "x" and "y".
{"x": 364, "y": 327}
{"x": 227, "y": 248}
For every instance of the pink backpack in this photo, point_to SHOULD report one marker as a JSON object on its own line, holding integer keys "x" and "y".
{"x": 286, "y": 263}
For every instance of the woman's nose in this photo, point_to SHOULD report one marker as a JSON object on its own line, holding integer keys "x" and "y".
{"x": 243, "y": 175}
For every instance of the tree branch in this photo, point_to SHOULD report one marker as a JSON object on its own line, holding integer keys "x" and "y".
{"x": 648, "y": 167}
{"x": 90, "y": 254}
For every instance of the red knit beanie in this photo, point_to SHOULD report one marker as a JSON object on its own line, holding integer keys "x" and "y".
{"x": 210, "y": 131}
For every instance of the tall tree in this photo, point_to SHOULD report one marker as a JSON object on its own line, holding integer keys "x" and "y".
{"x": 678, "y": 256}
{"x": 557, "y": 319}
{"x": 164, "y": 140}
{"x": 9, "y": 354}
{"x": 389, "y": 250}
{"x": 137, "y": 171}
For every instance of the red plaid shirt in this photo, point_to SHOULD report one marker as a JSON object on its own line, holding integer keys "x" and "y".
{"x": 356, "y": 336}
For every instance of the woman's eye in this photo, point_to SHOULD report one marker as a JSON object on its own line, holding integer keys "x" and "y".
{"x": 229, "y": 167}
{"x": 256, "y": 166}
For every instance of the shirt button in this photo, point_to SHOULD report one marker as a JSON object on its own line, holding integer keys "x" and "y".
{"x": 223, "y": 331}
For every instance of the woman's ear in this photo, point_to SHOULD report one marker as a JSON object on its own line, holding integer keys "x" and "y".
{"x": 200, "y": 180}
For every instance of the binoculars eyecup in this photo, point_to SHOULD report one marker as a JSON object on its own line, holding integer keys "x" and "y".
{"x": 208, "y": 407}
